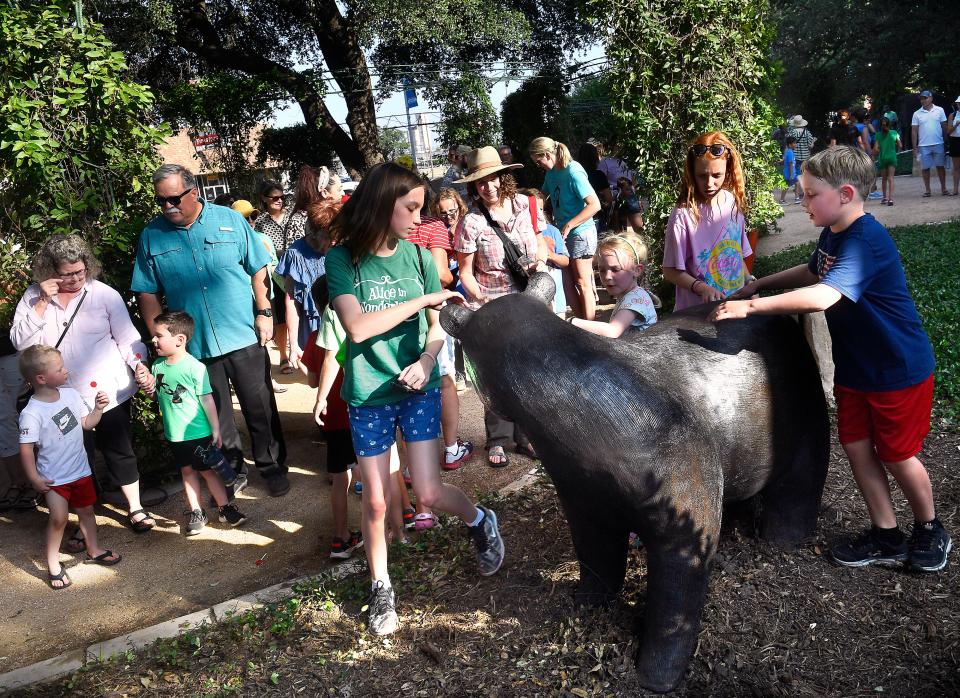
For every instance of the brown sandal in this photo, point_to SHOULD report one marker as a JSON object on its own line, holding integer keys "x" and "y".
{"x": 64, "y": 580}
{"x": 75, "y": 544}
{"x": 143, "y": 525}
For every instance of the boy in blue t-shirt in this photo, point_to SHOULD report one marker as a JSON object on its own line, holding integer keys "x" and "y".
{"x": 790, "y": 174}
{"x": 884, "y": 361}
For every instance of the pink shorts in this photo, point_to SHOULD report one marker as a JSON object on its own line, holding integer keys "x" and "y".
{"x": 79, "y": 493}
{"x": 897, "y": 421}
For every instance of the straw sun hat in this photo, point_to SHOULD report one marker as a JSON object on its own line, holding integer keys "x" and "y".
{"x": 484, "y": 162}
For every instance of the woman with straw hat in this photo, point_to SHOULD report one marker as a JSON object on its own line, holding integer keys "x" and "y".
{"x": 498, "y": 213}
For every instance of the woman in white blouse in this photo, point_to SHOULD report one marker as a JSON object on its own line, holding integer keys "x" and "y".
{"x": 89, "y": 323}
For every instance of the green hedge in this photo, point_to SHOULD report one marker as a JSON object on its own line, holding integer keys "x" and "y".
{"x": 931, "y": 257}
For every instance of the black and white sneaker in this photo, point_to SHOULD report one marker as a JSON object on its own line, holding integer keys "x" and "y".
{"x": 229, "y": 514}
{"x": 196, "y": 522}
{"x": 486, "y": 538}
{"x": 929, "y": 546}
{"x": 868, "y": 549}
{"x": 233, "y": 490}
{"x": 382, "y": 619}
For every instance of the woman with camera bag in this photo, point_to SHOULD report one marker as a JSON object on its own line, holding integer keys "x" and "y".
{"x": 498, "y": 245}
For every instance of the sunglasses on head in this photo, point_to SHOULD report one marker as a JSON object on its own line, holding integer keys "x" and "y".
{"x": 172, "y": 200}
{"x": 716, "y": 150}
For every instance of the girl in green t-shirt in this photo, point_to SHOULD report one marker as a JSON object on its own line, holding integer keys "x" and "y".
{"x": 387, "y": 300}
{"x": 885, "y": 148}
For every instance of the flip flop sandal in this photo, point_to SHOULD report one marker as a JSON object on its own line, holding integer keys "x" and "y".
{"x": 498, "y": 452}
{"x": 64, "y": 580}
{"x": 104, "y": 559}
{"x": 25, "y": 499}
{"x": 75, "y": 544}
{"x": 286, "y": 368}
{"x": 926, "y": 195}
{"x": 144, "y": 524}
{"x": 424, "y": 520}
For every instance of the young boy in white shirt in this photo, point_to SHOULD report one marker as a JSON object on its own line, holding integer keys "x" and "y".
{"x": 53, "y": 457}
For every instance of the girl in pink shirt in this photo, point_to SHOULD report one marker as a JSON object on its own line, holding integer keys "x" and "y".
{"x": 706, "y": 238}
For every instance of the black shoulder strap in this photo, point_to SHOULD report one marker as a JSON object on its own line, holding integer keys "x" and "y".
{"x": 504, "y": 240}
{"x": 423, "y": 273}
{"x": 70, "y": 321}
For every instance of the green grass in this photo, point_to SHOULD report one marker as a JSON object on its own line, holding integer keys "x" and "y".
{"x": 931, "y": 259}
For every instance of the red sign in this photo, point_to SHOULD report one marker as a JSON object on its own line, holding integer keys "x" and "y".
{"x": 202, "y": 139}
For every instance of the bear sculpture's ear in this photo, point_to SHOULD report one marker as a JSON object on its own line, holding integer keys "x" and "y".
{"x": 542, "y": 286}
{"x": 454, "y": 318}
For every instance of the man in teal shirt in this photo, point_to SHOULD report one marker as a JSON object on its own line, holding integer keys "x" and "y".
{"x": 204, "y": 259}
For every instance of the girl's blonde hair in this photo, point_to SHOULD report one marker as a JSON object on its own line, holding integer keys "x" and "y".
{"x": 453, "y": 195}
{"x": 544, "y": 144}
{"x": 629, "y": 247}
{"x": 734, "y": 181}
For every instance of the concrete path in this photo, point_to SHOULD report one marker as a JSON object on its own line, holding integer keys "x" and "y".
{"x": 909, "y": 208}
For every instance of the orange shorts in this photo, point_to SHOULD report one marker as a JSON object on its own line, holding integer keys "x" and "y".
{"x": 897, "y": 421}
{"x": 79, "y": 493}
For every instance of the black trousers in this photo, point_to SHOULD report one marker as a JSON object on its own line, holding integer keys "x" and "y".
{"x": 112, "y": 437}
{"x": 248, "y": 371}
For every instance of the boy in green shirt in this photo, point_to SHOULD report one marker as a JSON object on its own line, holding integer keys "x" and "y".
{"x": 181, "y": 384}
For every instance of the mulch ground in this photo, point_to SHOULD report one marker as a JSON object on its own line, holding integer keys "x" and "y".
{"x": 775, "y": 624}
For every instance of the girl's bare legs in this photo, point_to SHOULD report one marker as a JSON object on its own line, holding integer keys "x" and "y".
{"x": 376, "y": 499}
{"x": 570, "y": 291}
{"x": 280, "y": 337}
{"x": 583, "y": 282}
{"x": 338, "y": 504}
{"x": 191, "y": 487}
{"x": 430, "y": 490}
{"x": 400, "y": 500}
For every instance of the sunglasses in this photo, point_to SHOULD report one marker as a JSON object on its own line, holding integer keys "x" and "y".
{"x": 279, "y": 197}
{"x": 172, "y": 200}
{"x": 716, "y": 150}
{"x": 449, "y": 214}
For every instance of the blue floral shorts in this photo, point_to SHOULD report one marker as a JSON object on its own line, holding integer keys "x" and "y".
{"x": 374, "y": 429}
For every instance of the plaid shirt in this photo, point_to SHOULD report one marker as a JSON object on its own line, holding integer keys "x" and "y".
{"x": 475, "y": 237}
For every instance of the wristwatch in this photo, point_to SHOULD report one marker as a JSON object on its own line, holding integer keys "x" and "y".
{"x": 266, "y": 312}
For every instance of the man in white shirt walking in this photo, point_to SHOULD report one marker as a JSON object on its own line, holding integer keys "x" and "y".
{"x": 928, "y": 128}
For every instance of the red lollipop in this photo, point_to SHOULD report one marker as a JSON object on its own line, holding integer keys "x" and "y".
{"x": 93, "y": 384}
{"x": 138, "y": 355}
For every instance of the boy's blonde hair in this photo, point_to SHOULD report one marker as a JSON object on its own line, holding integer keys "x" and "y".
{"x": 35, "y": 360}
{"x": 548, "y": 145}
{"x": 843, "y": 164}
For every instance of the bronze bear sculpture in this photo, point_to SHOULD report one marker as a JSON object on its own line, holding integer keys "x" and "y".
{"x": 652, "y": 433}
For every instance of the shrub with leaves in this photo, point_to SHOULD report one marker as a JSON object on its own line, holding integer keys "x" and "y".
{"x": 679, "y": 68}
{"x": 76, "y": 144}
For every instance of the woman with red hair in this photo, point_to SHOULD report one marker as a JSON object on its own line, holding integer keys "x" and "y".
{"x": 706, "y": 239}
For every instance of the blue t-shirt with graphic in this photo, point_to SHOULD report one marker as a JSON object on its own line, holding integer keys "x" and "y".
{"x": 790, "y": 159}
{"x": 560, "y": 247}
{"x": 879, "y": 342}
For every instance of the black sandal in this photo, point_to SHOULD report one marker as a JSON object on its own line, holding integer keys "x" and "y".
{"x": 527, "y": 450}
{"x": 64, "y": 580}
{"x": 141, "y": 526}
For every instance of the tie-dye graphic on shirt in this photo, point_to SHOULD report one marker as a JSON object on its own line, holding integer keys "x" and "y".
{"x": 722, "y": 266}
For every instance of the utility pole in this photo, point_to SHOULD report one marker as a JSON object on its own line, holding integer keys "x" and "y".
{"x": 410, "y": 97}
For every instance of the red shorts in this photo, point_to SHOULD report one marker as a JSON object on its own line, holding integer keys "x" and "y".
{"x": 897, "y": 421}
{"x": 79, "y": 493}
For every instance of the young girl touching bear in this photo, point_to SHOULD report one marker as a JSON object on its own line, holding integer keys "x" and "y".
{"x": 622, "y": 260}
{"x": 386, "y": 293}
{"x": 706, "y": 239}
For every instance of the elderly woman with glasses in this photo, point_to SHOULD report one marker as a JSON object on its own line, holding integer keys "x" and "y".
{"x": 88, "y": 321}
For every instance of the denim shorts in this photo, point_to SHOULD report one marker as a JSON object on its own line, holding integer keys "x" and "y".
{"x": 931, "y": 156}
{"x": 582, "y": 245}
{"x": 374, "y": 429}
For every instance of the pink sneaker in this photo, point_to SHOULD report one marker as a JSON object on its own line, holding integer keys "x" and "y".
{"x": 424, "y": 520}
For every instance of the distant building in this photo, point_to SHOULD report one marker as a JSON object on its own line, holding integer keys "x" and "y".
{"x": 197, "y": 152}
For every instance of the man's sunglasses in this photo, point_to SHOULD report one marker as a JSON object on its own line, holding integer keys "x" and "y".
{"x": 716, "y": 150}
{"x": 172, "y": 200}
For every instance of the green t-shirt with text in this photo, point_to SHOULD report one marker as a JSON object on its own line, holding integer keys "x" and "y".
{"x": 179, "y": 387}
{"x": 379, "y": 283}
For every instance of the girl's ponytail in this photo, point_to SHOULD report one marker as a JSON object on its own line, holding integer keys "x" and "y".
{"x": 545, "y": 144}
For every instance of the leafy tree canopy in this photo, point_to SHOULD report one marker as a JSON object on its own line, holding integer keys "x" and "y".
{"x": 312, "y": 49}
{"x": 292, "y": 147}
{"x": 76, "y": 150}
{"x": 833, "y": 53}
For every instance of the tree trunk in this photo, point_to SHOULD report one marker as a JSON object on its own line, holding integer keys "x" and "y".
{"x": 344, "y": 56}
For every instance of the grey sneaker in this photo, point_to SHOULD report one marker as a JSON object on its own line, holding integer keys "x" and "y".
{"x": 489, "y": 544}
{"x": 229, "y": 514}
{"x": 868, "y": 549}
{"x": 196, "y": 523}
{"x": 383, "y": 611}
